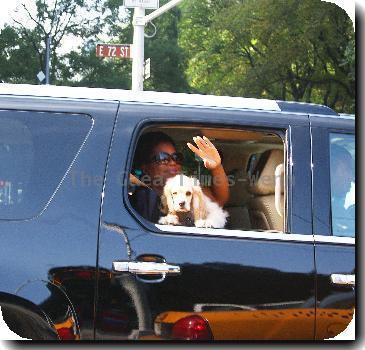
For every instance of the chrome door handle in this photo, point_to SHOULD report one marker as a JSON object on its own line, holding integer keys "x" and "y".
{"x": 146, "y": 268}
{"x": 343, "y": 280}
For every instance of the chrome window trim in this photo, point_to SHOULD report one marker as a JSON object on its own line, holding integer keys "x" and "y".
{"x": 264, "y": 235}
{"x": 334, "y": 239}
{"x": 340, "y": 116}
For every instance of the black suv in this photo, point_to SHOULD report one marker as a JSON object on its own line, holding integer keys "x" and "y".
{"x": 78, "y": 261}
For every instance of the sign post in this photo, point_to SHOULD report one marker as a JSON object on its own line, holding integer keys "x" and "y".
{"x": 139, "y": 22}
{"x": 48, "y": 48}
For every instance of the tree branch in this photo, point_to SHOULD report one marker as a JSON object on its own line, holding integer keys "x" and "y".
{"x": 34, "y": 20}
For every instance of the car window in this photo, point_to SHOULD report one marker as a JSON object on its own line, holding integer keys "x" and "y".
{"x": 253, "y": 163}
{"x": 342, "y": 170}
{"x": 36, "y": 149}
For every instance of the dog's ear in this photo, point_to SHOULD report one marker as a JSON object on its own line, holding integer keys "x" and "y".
{"x": 167, "y": 199}
{"x": 163, "y": 205}
{"x": 199, "y": 208}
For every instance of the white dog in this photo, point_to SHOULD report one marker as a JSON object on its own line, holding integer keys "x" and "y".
{"x": 185, "y": 204}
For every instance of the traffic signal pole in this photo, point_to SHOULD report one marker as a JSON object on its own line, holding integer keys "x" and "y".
{"x": 139, "y": 22}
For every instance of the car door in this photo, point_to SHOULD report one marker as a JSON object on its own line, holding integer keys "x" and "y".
{"x": 53, "y": 155}
{"x": 334, "y": 250}
{"x": 221, "y": 284}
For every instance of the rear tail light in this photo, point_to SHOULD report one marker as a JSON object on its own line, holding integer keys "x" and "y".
{"x": 192, "y": 327}
{"x": 66, "y": 333}
{"x": 86, "y": 275}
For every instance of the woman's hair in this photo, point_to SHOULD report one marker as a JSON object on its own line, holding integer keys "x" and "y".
{"x": 145, "y": 145}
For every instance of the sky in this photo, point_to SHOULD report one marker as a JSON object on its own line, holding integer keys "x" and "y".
{"x": 8, "y": 10}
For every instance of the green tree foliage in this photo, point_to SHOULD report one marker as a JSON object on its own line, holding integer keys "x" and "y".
{"x": 281, "y": 49}
{"x": 167, "y": 58}
{"x": 18, "y": 62}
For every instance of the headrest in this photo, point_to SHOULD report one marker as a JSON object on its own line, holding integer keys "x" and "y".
{"x": 262, "y": 179}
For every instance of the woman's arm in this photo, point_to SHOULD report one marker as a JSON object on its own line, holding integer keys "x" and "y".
{"x": 212, "y": 161}
{"x": 220, "y": 187}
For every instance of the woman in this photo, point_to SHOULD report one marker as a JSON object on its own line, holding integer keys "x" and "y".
{"x": 158, "y": 160}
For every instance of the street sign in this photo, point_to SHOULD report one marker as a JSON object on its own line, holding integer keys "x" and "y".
{"x": 147, "y": 4}
{"x": 114, "y": 50}
{"x": 41, "y": 76}
{"x": 147, "y": 68}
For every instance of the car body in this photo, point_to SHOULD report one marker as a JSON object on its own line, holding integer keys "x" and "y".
{"x": 67, "y": 254}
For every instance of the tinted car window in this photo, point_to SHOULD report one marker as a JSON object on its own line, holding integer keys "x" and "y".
{"x": 342, "y": 167}
{"x": 36, "y": 149}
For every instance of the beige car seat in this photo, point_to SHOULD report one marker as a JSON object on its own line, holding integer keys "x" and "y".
{"x": 263, "y": 212}
{"x": 237, "y": 203}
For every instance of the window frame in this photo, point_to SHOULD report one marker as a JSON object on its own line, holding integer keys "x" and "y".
{"x": 283, "y": 130}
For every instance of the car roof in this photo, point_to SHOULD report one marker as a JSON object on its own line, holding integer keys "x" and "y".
{"x": 137, "y": 96}
{"x": 165, "y": 98}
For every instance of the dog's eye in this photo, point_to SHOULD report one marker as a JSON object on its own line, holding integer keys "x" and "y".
{"x": 188, "y": 193}
{"x": 174, "y": 193}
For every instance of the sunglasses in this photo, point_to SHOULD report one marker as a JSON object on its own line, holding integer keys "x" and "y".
{"x": 164, "y": 158}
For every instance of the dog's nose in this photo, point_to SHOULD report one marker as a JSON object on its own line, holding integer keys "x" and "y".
{"x": 182, "y": 204}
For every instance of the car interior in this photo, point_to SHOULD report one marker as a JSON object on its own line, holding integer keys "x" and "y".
{"x": 16, "y": 158}
{"x": 254, "y": 162}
